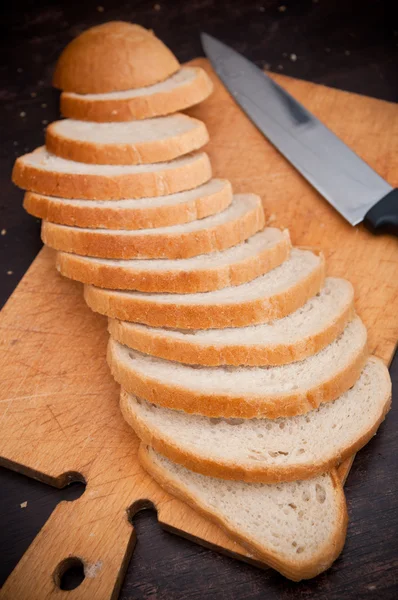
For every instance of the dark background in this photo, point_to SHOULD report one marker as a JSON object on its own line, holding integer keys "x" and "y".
{"x": 348, "y": 45}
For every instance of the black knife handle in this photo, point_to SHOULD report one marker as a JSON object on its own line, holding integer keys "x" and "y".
{"x": 383, "y": 216}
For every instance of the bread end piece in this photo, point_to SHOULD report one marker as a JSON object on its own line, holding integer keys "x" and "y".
{"x": 111, "y": 57}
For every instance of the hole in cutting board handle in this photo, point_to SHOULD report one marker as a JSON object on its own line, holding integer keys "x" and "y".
{"x": 69, "y": 574}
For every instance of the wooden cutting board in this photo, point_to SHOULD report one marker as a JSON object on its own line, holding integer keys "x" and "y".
{"x": 59, "y": 415}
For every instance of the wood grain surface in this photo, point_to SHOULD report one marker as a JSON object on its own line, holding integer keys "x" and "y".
{"x": 59, "y": 405}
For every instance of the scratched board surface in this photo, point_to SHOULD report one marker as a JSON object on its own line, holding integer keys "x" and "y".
{"x": 59, "y": 415}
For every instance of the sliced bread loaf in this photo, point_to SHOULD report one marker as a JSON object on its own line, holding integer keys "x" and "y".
{"x": 244, "y": 392}
{"x": 258, "y": 255}
{"x": 189, "y": 86}
{"x": 42, "y": 172}
{"x": 268, "y": 450}
{"x": 128, "y": 143}
{"x": 236, "y": 223}
{"x": 270, "y": 296}
{"x": 295, "y": 337}
{"x": 297, "y": 528}
{"x": 142, "y": 213}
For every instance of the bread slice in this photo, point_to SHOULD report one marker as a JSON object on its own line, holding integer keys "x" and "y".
{"x": 187, "y": 87}
{"x": 129, "y": 143}
{"x": 258, "y": 255}
{"x": 42, "y": 172}
{"x": 142, "y": 213}
{"x": 270, "y": 296}
{"x": 293, "y": 338}
{"x": 113, "y": 56}
{"x": 244, "y": 392}
{"x": 297, "y": 528}
{"x": 240, "y": 220}
{"x": 267, "y": 450}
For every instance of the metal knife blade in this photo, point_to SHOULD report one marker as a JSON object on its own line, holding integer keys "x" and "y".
{"x": 344, "y": 179}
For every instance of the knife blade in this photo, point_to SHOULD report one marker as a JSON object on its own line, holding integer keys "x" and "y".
{"x": 348, "y": 183}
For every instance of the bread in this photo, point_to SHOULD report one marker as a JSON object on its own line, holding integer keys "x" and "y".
{"x": 141, "y": 213}
{"x": 187, "y": 87}
{"x": 270, "y": 296}
{"x": 128, "y": 143}
{"x": 244, "y": 392}
{"x": 240, "y": 220}
{"x": 113, "y": 56}
{"x": 267, "y": 450}
{"x": 127, "y": 202}
{"x": 295, "y": 337}
{"x": 259, "y": 254}
{"x": 44, "y": 173}
{"x": 297, "y": 528}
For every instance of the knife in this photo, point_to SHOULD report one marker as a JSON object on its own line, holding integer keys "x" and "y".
{"x": 344, "y": 179}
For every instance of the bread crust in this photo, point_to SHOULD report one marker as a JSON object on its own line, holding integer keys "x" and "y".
{"x": 147, "y": 152}
{"x": 161, "y": 245}
{"x": 139, "y": 107}
{"x": 270, "y": 406}
{"x": 180, "y": 350}
{"x": 117, "y": 187}
{"x": 206, "y": 316}
{"x": 111, "y": 57}
{"x": 294, "y": 571}
{"x": 175, "y": 282}
{"x": 83, "y": 215}
{"x": 231, "y": 470}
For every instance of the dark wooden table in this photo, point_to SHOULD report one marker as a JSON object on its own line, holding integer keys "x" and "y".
{"x": 348, "y": 45}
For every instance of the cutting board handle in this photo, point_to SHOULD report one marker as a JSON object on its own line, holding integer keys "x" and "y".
{"x": 89, "y": 532}
{"x": 383, "y": 216}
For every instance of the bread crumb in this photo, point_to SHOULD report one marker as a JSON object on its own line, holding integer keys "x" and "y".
{"x": 22, "y": 114}
{"x": 40, "y": 82}
{"x": 347, "y": 52}
{"x": 282, "y": 8}
{"x": 3, "y": 231}
{"x": 327, "y": 50}
{"x": 156, "y": 7}
{"x": 280, "y": 67}
{"x": 293, "y": 57}
{"x": 266, "y": 66}
{"x": 92, "y": 570}
{"x": 44, "y": 122}
{"x": 100, "y": 8}
{"x": 44, "y": 105}
{"x": 33, "y": 94}
{"x": 24, "y": 504}
{"x": 10, "y": 272}
{"x": 15, "y": 143}
{"x": 19, "y": 70}
{"x": 261, "y": 9}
